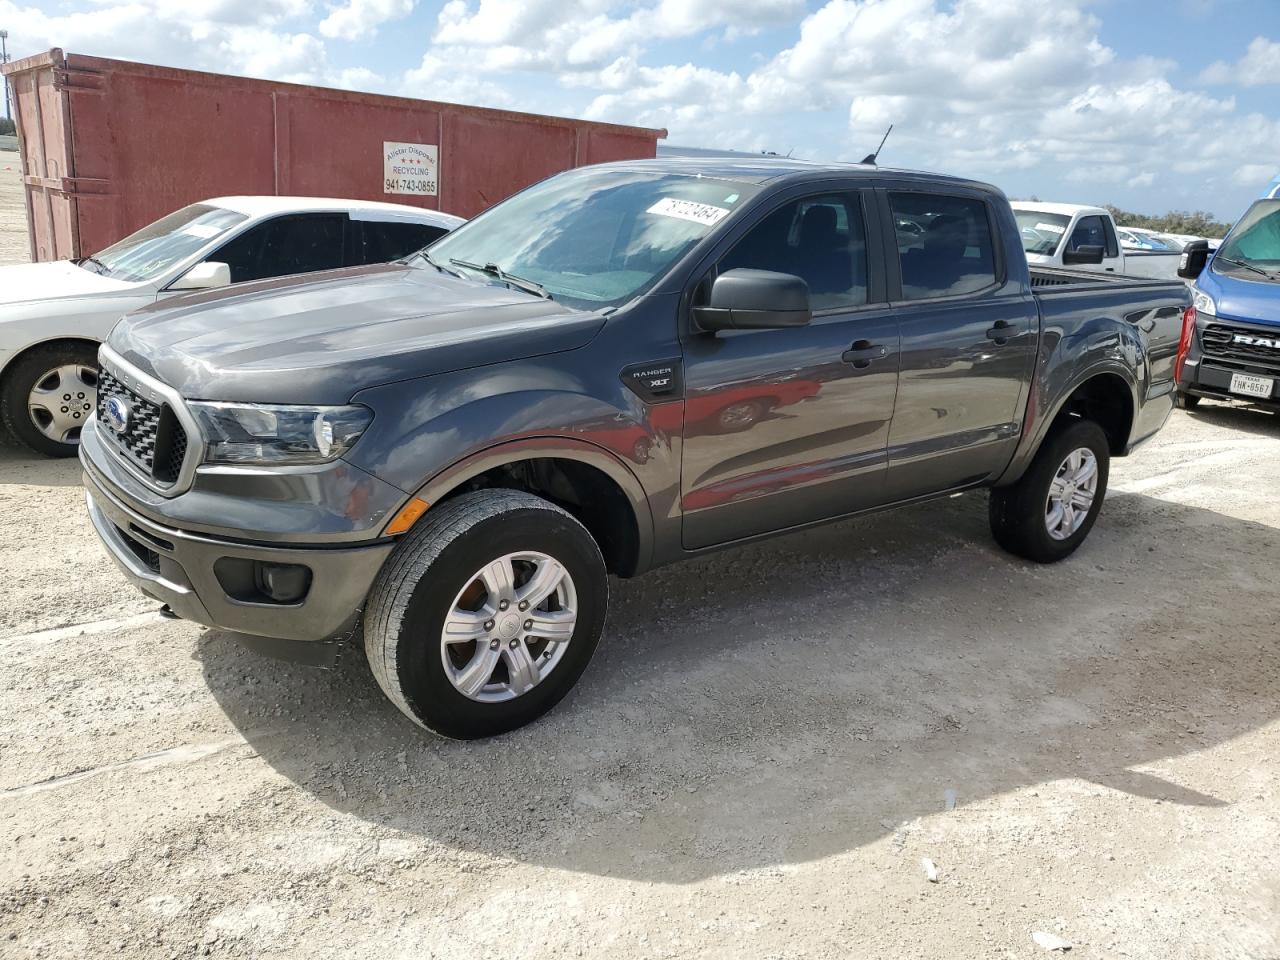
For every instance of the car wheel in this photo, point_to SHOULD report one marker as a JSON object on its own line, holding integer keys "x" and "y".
{"x": 486, "y": 614}
{"x": 1187, "y": 401}
{"x": 1048, "y": 513}
{"x": 49, "y": 394}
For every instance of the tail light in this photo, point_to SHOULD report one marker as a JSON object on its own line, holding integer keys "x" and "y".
{"x": 1184, "y": 345}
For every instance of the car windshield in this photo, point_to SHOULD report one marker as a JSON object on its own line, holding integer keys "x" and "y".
{"x": 594, "y": 237}
{"x": 167, "y": 242}
{"x": 1041, "y": 232}
{"x": 1252, "y": 249}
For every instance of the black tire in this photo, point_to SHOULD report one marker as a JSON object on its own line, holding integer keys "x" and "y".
{"x": 1187, "y": 401}
{"x": 1017, "y": 512}
{"x": 427, "y": 571}
{"x": 23, "y": 376}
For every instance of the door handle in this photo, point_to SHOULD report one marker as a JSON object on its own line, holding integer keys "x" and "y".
{"x": 1003, "y": 331}
{"x": 863, "y": 352}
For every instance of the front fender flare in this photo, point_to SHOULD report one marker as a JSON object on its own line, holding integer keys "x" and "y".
{"x": 563, "y": 448}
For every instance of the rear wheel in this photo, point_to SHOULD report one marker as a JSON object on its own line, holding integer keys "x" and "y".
{"x": 1047, "y": 514}
{"x": 49, "y": 395}
{"x": 486, "y": 614}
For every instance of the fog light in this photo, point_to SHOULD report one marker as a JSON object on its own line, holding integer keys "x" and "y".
{"x": 282, "y": 582}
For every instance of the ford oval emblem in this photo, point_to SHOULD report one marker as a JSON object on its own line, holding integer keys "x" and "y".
{"x": 117, "y": 413}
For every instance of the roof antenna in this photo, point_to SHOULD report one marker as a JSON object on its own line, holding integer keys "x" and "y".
{"x": 870, "y": 158}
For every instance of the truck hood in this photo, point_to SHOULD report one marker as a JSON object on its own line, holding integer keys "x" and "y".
{"x": 323, "y": 337}
{"x": 60, "y": 280}
{"x": 1238, "y": 299}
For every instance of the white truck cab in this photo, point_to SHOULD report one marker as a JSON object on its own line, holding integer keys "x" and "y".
{"x": 1062, "y": 234}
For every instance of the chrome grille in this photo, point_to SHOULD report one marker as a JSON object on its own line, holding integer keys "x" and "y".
{"x": 1218, "y": 343}
{"x": 153, "y": 440}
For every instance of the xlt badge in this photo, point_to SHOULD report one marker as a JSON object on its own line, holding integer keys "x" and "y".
{"x": 655, "y": 381}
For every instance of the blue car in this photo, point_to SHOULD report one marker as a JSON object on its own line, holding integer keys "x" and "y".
{"x": 1231, "y": 351}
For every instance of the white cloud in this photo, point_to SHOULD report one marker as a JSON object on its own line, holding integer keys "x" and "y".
{"x": 357, "y": 19}
{"x": 983, "y": 88}
{"x": 236, "y": 36}
{"x": 581, "y": 34}
{"x": 1254, "y": 175}
{"x": 1260, "y": 65}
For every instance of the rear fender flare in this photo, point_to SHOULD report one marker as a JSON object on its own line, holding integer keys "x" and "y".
{"x": 1040, "y": 419}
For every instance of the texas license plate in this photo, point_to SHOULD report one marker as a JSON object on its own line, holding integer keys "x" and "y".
{"x": 1249, "y": 386}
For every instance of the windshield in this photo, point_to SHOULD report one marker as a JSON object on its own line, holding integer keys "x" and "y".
{"x": 170, "y": 240}
{"x": 594, "y": 237}
{"x": 1041, "y": 232}
{"x": 1252, "y": 249}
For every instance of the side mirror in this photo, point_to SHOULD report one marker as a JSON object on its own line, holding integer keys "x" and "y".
{"x": 204, "y": 276}
{"x": 746, "y": 299}
{"x": 1194, "y": 257}
{"x": 1090, "y": 253}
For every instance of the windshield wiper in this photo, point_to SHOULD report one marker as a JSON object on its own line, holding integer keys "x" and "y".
{"x": 1248, "y": 266}
{"x": 103, "y": 269}
{"x": 422, "y": 254}
{"x": 510, "y": 279}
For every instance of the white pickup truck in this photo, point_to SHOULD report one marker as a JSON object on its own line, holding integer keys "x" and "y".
{"x": 1075, "y": 235}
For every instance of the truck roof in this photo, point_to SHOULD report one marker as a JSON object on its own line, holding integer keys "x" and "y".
{"x": 764, "y": 169}
{"x": 1066, "y": 209}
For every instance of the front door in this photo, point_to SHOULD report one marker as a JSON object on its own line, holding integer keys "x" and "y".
{"x": 783, "y": 427}
{"x": 969, "y": 341}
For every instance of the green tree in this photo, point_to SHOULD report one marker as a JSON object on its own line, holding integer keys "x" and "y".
{"x": 6, "y": 126}
{"x": 1198, "y": 223}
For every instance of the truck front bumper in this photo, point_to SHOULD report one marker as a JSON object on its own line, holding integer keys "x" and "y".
{"x": 1201, "y": 377}
{"x": 319, "y": 591}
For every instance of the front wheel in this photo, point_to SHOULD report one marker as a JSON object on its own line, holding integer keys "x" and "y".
{"x": 49, "y": 395}
{"x": 1187, "y": 401}
{"x": 1047, "y": 514}
{"x": 486, "y": 614}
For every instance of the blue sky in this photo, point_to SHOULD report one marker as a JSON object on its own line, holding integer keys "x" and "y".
{"x": 1150, "y": 105}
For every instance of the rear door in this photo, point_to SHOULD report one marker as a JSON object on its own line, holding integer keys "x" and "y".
{"x": 783, "y": 427}
{"x": 969, "y": 340}
{"x": 381, "y": 241}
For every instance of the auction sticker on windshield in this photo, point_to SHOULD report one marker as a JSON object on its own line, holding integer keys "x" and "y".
{"x": 410, "y": 168}
{"x": 703, "y": 213}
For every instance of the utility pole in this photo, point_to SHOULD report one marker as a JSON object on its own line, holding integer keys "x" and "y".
{"x": 4, "y": 58}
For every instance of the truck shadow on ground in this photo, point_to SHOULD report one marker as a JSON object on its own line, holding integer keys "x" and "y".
{"x": 1238, "y": 417}
{"x": 800, "y": 698}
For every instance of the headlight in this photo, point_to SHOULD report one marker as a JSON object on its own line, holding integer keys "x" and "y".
{"x": 1203, "y": 302}
{"x": 263, "y": 433}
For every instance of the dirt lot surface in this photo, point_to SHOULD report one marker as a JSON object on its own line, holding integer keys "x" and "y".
{"x": 768, "y": 743}
{"x": 14, "y": 247}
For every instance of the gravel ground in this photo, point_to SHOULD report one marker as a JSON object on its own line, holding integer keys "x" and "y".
{"x": 14, "y": 247}
{"x": 768, "y": 743}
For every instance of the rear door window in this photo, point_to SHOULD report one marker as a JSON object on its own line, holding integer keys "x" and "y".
{"x": 296, "y": 243}
{"x": 381, "y": 242}
{"x": 819, "y": 239}
{"x": 949, "y": 249}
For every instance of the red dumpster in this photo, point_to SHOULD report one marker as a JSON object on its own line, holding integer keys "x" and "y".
{"x": 107, "y": 146}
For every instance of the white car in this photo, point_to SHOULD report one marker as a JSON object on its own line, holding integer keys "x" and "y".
{"x": 53, "y": 316}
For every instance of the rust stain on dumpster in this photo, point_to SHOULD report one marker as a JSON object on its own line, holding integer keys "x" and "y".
{"x": 107, "y": 146}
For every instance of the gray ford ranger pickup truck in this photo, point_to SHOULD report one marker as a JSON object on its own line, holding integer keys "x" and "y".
{"x": 621, "y": 366}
